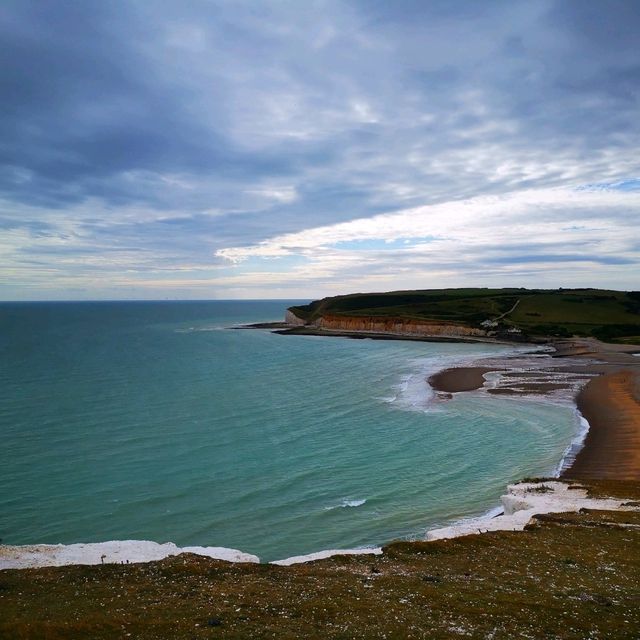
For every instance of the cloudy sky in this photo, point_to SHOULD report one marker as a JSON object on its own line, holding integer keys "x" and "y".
{"x": 299, "y": 149}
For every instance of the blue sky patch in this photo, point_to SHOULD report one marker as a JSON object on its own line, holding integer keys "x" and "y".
{"x": 376, "y": 244}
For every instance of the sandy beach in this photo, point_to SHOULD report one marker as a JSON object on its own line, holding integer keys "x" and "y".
{"x": 611, "y": 405}
{"x": 606, "y": 378}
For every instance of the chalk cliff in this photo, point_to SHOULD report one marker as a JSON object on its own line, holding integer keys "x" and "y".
{"x": 391, "y": 325}
{"x": 292, "y": 319}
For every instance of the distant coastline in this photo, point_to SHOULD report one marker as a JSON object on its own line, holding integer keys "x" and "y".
{"x": 607, "y": 377}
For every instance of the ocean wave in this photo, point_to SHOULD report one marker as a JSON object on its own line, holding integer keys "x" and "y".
{"x": 201, "y": 329}
{"x": 353, "y": 503}
{"x": 413, "y": 392}
{"x": 347, "y": 503}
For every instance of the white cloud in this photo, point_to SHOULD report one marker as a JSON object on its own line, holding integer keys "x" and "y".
{"x": 282, "y": 194}
{"x": 561, "y": 237}
{"x": 529, "y": 216}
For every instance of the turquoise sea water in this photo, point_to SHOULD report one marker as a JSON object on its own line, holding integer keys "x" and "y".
{"x": 155, "y": 421}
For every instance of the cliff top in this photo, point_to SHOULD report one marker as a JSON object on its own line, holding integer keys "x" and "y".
{"x": 570, "y": 575}
{"x": 605, "y": 314}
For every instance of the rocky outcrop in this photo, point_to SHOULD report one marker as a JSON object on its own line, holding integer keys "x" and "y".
{"x": 292, "y": 319}
{"x": 391, "y": 325}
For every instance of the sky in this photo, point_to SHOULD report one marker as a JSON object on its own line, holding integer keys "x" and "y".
{"x": 274, "y": 149}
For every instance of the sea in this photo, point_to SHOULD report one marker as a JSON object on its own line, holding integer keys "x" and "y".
{"x": 163, "y": 421}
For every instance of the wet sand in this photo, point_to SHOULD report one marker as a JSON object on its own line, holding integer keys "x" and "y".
{"x": 460, "y": 379}
{"x": 611, "y": 406}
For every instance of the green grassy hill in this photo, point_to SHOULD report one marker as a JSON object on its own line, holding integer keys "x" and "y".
{"x": 608, "y": 315}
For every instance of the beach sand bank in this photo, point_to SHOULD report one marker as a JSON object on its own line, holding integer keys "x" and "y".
{"x": 611, "y": 406}
{"x": 459, "y": 379}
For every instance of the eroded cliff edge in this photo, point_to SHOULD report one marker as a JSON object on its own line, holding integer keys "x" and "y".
{"x": 390, "y": 325}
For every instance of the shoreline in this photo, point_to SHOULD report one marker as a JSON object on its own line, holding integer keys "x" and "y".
{"x": 459, "y": 379}
{"x": 606, "y": 383}
{"x": 610, "y": 404}
{"x": 387, "y": 335}
{"x": 597, "y": 453}
{"x": 287, "y": 329}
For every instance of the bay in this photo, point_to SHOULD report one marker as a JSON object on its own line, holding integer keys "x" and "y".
{"x": 158, "y": 421}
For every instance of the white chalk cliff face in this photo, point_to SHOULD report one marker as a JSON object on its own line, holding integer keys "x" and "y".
{"x": 328, "y": 553}
{"x": 525, "y": 500}
{"x": 292, "y": 319}
{"x": 115, "y": 551}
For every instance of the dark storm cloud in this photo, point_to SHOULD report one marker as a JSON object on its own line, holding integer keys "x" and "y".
{"x": 83, "y": 103}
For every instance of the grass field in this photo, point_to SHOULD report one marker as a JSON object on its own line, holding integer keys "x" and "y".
{"x": 608, "y": 315}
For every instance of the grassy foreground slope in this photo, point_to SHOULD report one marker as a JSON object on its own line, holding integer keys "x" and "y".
{"x": 607, "y": 315}
{"x": 570, "y": 576}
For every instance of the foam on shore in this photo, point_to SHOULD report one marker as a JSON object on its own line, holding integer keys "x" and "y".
{"x": 114, "y": 551}
{"x": 412, "y": 394}
{"x": 532, "y": 368}
{"x": 574, "y": 447}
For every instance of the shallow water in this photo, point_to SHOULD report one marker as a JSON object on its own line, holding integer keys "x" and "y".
{"x": 155, "y": 421}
